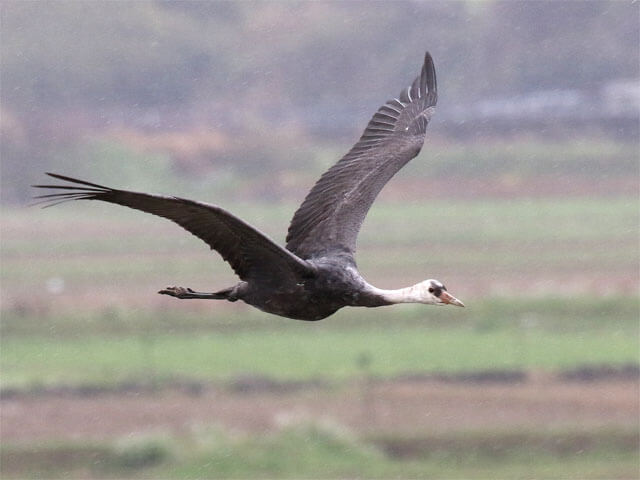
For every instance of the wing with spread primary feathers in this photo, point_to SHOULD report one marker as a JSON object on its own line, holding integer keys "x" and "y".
{"x": 329, "y": 219}
{"x": 250, "y": 253}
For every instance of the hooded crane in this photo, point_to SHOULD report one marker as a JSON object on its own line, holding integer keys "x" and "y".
{"x": 315, "y": 274}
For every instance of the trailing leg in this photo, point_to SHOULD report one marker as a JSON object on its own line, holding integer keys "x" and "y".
{"x": 187, "y": 293}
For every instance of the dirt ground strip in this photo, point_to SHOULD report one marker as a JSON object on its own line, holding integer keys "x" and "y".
{"x": 386, "y": 406}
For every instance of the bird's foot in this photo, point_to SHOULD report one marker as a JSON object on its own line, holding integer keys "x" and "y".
{"x": 178, "y": 292}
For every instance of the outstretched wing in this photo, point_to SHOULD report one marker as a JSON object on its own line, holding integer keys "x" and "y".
{"x": 329, "y": 219}
{"x": 250, "y": 253}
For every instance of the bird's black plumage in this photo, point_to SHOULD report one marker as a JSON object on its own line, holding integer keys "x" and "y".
{"x": 315, "y": 274}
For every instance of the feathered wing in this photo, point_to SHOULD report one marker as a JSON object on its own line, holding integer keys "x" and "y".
{"x": 329, "y": 219}
{"x": 250, "y": 253}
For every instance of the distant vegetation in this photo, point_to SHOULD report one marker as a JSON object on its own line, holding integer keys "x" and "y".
{"x": 180, "y": 53}
{"x": 318, "y": 451}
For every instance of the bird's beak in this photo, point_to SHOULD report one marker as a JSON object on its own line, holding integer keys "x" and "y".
{"x": 446, "y": 297}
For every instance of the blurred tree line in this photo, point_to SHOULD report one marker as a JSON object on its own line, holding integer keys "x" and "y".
{"x": 164, "y": 52}
{"x": 255, "y": 65}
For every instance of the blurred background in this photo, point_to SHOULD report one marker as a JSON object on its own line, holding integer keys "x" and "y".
{"x": 524, "y": 201}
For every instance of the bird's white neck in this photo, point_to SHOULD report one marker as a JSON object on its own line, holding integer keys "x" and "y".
{"x": 413, "y": 294}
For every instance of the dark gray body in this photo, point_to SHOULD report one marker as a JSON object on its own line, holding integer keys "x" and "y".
{"x": 335, "y": 284}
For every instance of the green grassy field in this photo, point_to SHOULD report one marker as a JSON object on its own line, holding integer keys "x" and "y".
{"x": 309, "y": 451}
{"x": 532, "y": 243}
{"x": 397, "y": 344}
{"x": 332, "y": 455}
{"x": 550, "y": 284}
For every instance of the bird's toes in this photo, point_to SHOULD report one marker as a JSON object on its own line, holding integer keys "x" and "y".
{"x": 173, "y": 291}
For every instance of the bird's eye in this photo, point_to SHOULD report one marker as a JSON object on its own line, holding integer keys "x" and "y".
{"x": 430, "y": 289}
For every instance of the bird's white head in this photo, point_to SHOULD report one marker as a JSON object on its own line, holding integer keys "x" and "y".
{"x": 433, "y": 292}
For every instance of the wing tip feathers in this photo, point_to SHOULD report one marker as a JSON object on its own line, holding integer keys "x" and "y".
{"x": 429, "y": 72}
